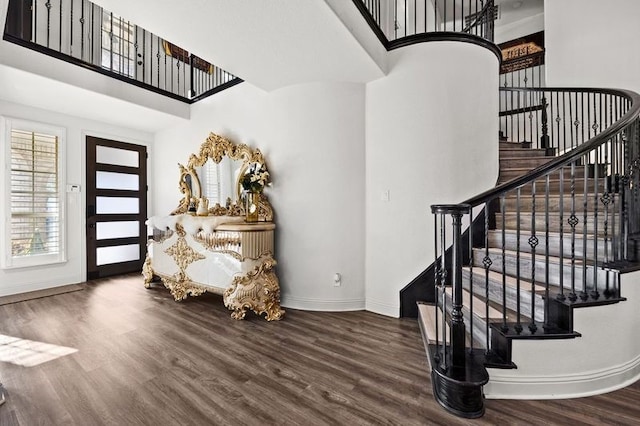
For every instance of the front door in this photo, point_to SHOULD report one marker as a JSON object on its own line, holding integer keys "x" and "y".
{"x": 116, "y": 207}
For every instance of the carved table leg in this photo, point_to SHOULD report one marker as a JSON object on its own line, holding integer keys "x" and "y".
{"x": 147, "y": 272}
{"x": 258, "y": 290}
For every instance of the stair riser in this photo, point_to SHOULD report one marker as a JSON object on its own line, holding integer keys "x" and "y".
{"x": 511, "y": 222}
{"x": 523, "y": 162}
{"x": 554, "y": 204}
{"x": 495, "y": 240}
{"x": 514, "y": 145}
{"x": 510, "y": 173}
{"x": 521, "y": 153}
{"x": 554, "y": 187}
{"x": 540, "y": 270}
{"x": 495, "y": 295}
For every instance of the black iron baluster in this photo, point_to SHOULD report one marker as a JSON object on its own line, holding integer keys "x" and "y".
{"x": 435, "y": 15}
{"x": 518, "y": 106}
{"x": 518, "y": 326}
{"x": 165, "y": 67}
{"x": 573, "y": 221}
{"x": 158, "y": 59}
{"x": 486, "y": 262}
{"x": 60, "y": 29}
{"x": 192, "y": 93}
{"x": 454, "y": 16}
{"x": 48, "y": 6}
{"x": 35, "y": 22}
{"x": 395, "y": 19}
{"x": 561, "y": 231}
{"x": 530, "y": 108}
{"x": 546, "y": 250}
{"x": 121, "y": 47}
{"x": 504, "y": 262}
{"x": 585, "y": 212}
{"x": 92, "y": 48}
{"x": 144, "y": 55}
{"x": 82, "y": 30}
{"x": 184, "y": 77}
{"x": 533, "y": 242}
{"x": 71, "y": 30}
{"x": 564, "y": 119}
{"x": 415, "y": 17}
{"x": 438, "y": 284}
{"x": 594, "y": 293}
{"x": 444, "y": 20}
{"x": 471, "y": 292}
{"x": 443, "y": 274}
{"x": 110, "y": 40}
{"x": 426, "y": 17}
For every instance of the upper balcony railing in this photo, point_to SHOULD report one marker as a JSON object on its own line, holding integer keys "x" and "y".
{"x": 401, "y": 22}
{"x": 83, "y": 33}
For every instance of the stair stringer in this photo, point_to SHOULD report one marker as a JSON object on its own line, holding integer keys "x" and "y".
{"x": 605, "y": 358}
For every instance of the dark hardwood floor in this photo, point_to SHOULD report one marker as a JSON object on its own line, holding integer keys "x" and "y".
{"x": 143, "y": 359}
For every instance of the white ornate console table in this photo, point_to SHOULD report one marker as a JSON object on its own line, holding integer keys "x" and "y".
{"x": 220, "y": 252}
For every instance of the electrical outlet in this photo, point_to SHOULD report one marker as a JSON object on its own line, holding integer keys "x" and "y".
{"x": 337, "y": 279}
{"x": 385, "y": 196}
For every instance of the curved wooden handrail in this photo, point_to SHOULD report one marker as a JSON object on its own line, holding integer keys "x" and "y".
{"x": 570, "y": 156}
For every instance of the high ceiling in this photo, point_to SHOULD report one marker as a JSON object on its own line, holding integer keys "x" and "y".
{"x": 271, "y": 44}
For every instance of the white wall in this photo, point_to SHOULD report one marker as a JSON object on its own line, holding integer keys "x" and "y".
{"x": 590, "y": 45}
{"x": 512, "y": 30}
{"x": 431, "y": 138}
{"x": 74, "y": 270}
{"x": 312, "y": 136}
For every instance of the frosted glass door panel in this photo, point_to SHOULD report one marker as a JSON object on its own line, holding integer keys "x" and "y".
{"x": 117, "y": 205}
{"x": 117, "y": 254}
{"x": 112, "y": 180}
{"x": 117, "y": 156}
{"x": 106, "y": 230}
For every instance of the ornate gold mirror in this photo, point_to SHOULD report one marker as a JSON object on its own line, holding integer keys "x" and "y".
{"x": 212, "y": 180}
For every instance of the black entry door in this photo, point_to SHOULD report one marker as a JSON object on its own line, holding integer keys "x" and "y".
{"x": 116, "y": 207}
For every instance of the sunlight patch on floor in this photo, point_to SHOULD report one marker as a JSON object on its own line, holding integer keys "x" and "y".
{"x": 28, "y": 353}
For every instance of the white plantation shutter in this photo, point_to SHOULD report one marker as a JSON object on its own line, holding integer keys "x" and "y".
{"x": 211, "y": 188}
{"x": 34, "y": 212}
{"x": 35, "y": 201}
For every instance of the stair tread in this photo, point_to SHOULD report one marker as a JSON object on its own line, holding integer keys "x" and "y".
{"x": 427, "y": 315}
{"x": 479, "y": 306}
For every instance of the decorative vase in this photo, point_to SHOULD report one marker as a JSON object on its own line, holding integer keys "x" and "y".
{"x": 203, "y": 207}
{"x": 251, "y": 206}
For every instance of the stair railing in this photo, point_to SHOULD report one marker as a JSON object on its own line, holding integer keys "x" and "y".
{"x": 558, "y": 236}
{"x": 399, "y": 22}
{"x": 84, "y": 34}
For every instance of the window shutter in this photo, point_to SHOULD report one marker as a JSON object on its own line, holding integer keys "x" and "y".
{"x": 35, "y": 194}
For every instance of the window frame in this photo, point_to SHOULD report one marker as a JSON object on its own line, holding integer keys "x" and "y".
{"x": 7, "y": 260}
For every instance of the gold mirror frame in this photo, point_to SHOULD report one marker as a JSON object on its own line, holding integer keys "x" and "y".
{"x": 216, "y": 147}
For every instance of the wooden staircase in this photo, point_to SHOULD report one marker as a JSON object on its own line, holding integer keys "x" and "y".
{"x": 504, "y": 283}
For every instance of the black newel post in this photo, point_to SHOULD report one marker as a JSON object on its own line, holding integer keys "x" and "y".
{"x": 544, "y": 139}
{"x": 192, "y": 90}
{"x": 458, "y": 351}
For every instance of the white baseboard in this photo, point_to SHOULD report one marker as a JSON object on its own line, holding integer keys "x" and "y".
{"x": 311, "y": 304}
{"x": 35, "y": 286}
{"x": 383, "y": 308}
{"x": 561, "y": 386}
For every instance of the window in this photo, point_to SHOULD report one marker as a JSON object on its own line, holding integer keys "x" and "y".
{"x": 33, "y": 210}
{"x": 118, "y": 45}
